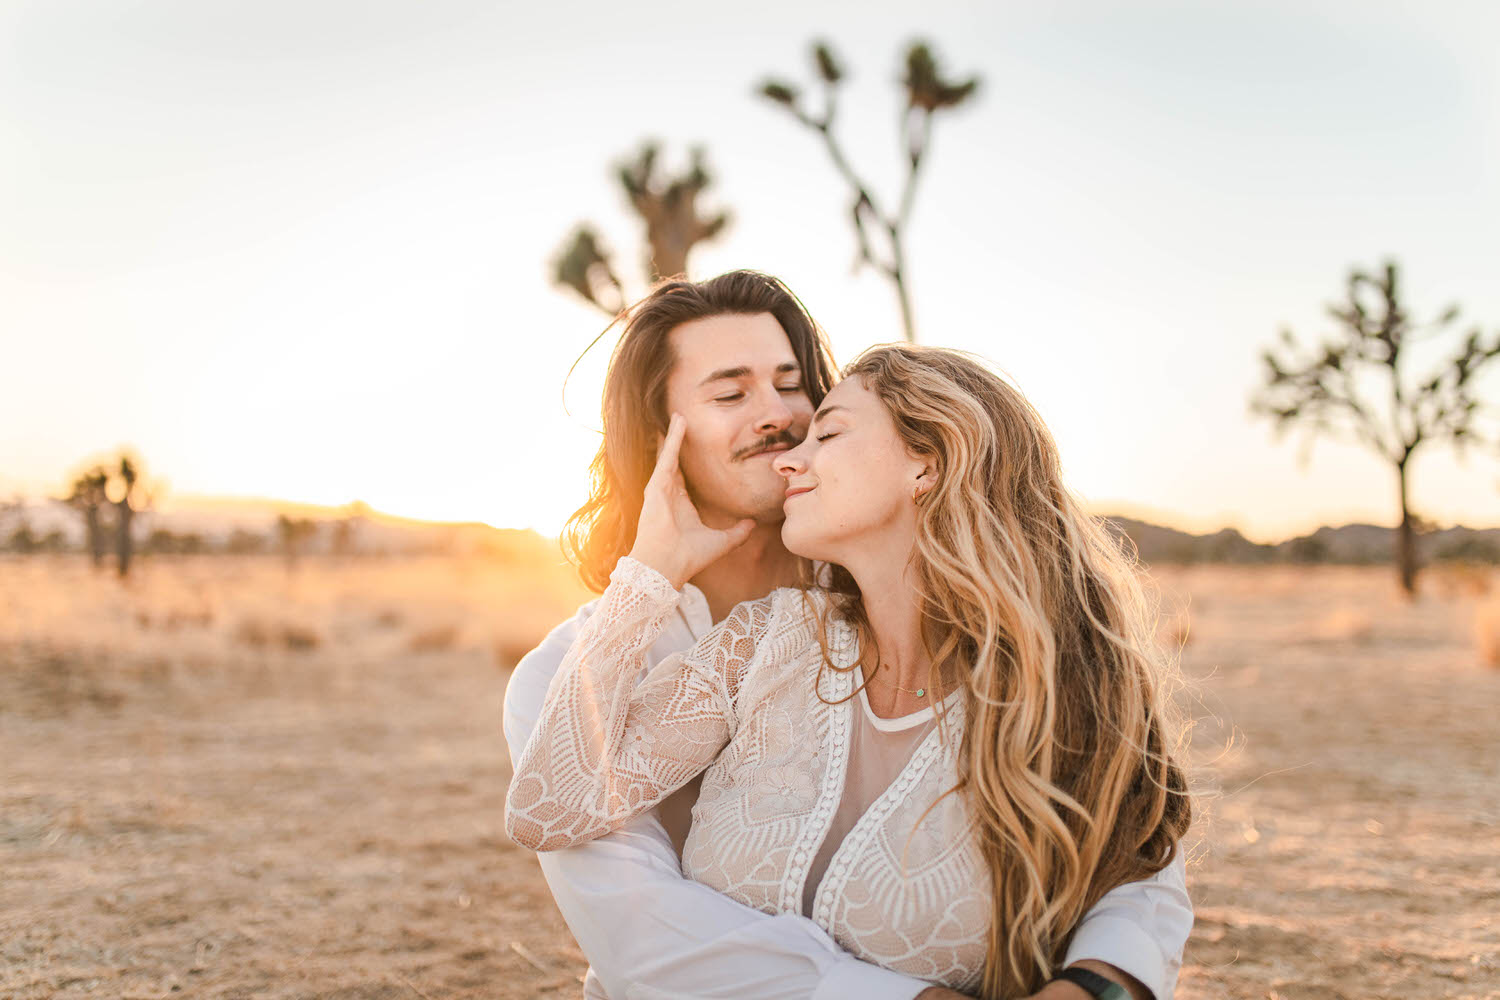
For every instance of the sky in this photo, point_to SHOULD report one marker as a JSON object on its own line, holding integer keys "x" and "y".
{"x": 300, "y": 249}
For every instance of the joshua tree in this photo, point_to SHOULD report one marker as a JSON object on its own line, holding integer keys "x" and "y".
{"x": 88, "y": 496}
{"x": 669, "y": 208}
{"x": 1356, "y": 384}
{"x": 927, "y": 92}
{"x": 127, "y": 478}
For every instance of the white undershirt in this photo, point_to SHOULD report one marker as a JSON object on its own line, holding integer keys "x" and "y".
{"x": 879, "y": 750}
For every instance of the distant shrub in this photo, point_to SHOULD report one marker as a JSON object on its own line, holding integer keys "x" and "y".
{"x": 242, "y": 542}
{"x": 508, "y": 651}
{"x": 1468, "y": 548}
{"x": 253, "y": 633}
{"x": 164, "y": 542}
{"x": 300, "y": 639}
{"x": 433, "y": 640}
{"x": 257, "y": 634}
{"x": 1307, "y": 550}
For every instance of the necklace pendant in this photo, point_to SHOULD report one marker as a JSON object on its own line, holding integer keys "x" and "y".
{"x": 920, "y": 692}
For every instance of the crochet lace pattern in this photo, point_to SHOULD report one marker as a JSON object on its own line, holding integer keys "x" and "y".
{"x": 744, "y": 705}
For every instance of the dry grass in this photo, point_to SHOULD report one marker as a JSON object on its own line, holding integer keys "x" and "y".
{"x": 184, "y": 812}
{"x": 1460, "y": 579}
{"x": 1487, "y": 631}
{"x": 212, "y": 626}
{"x": 1348, "y": 846}
{"x": 225, "y": 780}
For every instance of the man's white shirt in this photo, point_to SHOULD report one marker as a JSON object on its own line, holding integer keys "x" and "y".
{"x": 650, "y": 933}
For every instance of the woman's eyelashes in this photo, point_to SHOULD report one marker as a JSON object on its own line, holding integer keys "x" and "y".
{"x": 825, "y": 437}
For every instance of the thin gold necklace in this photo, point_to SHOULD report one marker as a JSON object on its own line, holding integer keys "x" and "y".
{"x": 919, "y": 692}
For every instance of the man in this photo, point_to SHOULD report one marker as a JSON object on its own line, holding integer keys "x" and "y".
{"x": 740, "y": 358}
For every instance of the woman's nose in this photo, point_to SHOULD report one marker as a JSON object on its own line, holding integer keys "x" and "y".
{"x": 790, "y": 462}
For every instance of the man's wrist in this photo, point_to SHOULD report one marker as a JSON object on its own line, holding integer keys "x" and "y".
{"x": 1093, "y": 980}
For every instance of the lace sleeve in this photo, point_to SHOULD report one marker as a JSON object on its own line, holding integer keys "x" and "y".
{"x": 607, "y": 749}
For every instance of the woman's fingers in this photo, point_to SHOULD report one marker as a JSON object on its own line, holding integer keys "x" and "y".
{"x": 667, "y": 475}
{"x": 736, "y": 536}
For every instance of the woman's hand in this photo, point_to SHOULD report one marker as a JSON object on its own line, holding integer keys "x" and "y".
{"x": 671, "y": 538}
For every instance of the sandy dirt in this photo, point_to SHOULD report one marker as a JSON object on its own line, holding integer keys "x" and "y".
{"x": 231, "y": 781}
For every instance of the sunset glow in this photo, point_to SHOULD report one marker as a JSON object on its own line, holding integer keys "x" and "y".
{"x": 301, "y": 251}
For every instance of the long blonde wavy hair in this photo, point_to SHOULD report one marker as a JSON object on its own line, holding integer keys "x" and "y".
{"x": 1067, "y": 755}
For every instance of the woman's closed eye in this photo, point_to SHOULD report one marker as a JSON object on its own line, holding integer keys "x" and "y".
{"x": 825, "y": 437}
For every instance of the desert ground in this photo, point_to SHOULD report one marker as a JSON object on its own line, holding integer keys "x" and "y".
{"x": 233, "y": 778}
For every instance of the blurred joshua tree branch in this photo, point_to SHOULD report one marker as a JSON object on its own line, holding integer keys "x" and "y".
{"x": 927, "y": 92}
{"x": 669, "y": 208}
{"x": 1327, "y": 389}
{"x": 584, "y": 267}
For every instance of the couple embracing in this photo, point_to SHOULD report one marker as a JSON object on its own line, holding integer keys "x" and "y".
{"x": 868, "y": 706}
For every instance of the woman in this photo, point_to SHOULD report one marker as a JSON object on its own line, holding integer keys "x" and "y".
{"x": 944, "y": 756}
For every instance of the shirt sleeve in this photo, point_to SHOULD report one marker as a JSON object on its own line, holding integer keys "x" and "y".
{"x": 1140, "y": 928}
{"x": 606, "y": 748}
{"x": 686, "y": 939}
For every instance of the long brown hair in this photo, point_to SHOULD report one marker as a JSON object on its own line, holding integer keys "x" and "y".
{"x": 1068, "y": 755}
{"x": 634, "y": 408}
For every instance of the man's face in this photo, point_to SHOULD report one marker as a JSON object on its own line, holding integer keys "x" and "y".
{"x": 739, "y": 386}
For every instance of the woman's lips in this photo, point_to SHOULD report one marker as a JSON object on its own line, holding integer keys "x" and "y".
{"x": 797, "y": 491}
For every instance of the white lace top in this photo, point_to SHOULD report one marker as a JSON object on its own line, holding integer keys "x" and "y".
{"x": 742, "y": 704}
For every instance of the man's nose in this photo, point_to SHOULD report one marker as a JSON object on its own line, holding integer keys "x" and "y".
{"x": 775, "y": 415}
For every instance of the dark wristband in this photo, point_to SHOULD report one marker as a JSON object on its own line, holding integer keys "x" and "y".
{"x": 1094, "y": 984}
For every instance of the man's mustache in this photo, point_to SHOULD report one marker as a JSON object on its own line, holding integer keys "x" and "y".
{"x": 772, "y": 441}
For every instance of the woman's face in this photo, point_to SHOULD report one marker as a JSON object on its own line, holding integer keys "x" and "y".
{"x": 850, "y": 484}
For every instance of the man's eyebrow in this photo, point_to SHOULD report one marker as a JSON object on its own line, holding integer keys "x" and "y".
{"x": 724, "y": 373}
{"x": 743, "y": 370}
{"x": 825, "y": 411}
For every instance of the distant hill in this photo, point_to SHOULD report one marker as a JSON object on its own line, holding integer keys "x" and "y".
{"x": 250, "y": 525}
{"x": 1357, "y": 544}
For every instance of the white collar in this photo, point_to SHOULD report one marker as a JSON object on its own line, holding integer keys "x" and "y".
{"x": 695, "y": 612}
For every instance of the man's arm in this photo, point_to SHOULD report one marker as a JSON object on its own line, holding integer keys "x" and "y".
{"x": 1141, "y": 930}
{"x": 648, "y": 931}
{"x": 1134, "y": 935}
{"x": 683, "y": 933}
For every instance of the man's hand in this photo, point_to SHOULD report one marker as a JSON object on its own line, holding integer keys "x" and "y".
{"x": 671, "y": 538}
